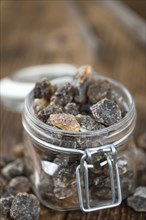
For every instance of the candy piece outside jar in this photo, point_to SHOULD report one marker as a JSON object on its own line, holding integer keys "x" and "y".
{"x": 72, "y": 170}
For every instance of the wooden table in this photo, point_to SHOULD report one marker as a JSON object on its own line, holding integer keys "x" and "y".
{"x": 38, "y": 32}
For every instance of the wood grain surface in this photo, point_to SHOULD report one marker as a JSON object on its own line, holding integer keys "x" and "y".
{"x": 38, "y": 32}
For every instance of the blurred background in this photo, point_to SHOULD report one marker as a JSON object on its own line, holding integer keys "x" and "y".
{"x": 108, "y": 34}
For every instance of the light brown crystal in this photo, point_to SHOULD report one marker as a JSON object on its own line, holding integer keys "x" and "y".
{"x": 64, "y": 121}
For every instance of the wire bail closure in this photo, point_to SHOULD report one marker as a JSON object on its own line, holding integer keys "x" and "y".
{"x": 109, "y": 152}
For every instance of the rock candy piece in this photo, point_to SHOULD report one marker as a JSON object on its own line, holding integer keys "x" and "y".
{"x": 44, "y": 90}
{"x": 63, "y": 95}
{"x": 47, "y": 195}
{"x": 4, "y": 160}
{"x": 18, "y": 184}
{"x": 138, "y": 200}
{"x": 88, "y": 123}
{"x": 5, "y": 204}
{"x": 62, "y": 184}
{"x": 45, "y": 113}
{"x": 71, "y": 108}
{"x": 13, "y": 169}
{"x": 106, "y": 112}
{"x": 25, "y": 206}
{"x": 64, "y": 121}
{"x": 64, "y": 178}
{"x": 39, "y": 104}
{"x": 98, "y": 90}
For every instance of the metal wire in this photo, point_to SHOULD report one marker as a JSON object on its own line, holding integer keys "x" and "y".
{"x": 116, "y": 197}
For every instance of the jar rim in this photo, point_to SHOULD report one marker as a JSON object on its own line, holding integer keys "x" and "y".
{"x": 128, "y": 117}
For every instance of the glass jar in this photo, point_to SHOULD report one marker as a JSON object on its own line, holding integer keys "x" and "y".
{"x": 88, "y": 170}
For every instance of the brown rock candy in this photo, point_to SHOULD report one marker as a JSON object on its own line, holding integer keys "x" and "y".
{"x": 62, "y": 188}
{"x": 71, "y": 108}
{"x": 63, "y": 95}
{"x": 88, "y": 123}
{"x": 25, "y": 206}
{"x": 39, "y": 104}
{"x": 64, "y": 121}
{"x": 46, "y": 112}
{"x": 18, "y": 184}
{"x": 5, "y": 204}
{"x": 4, "y": 160}
{"x": 98, "y": 90}
{"x": 138, "y": 200}
{"x": 13, "y": 169}
{"x": 106, "y": 112}
{"x": 44, "y": 90}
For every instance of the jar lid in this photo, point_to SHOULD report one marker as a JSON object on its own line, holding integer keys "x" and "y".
{"x": 15, "y": 88}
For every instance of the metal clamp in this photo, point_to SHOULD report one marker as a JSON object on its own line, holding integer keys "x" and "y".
{"x": 109, "y": 152}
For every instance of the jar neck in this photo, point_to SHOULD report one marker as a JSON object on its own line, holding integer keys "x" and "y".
{"x": 47, "y": 142}
{"x": 57, "y": 140}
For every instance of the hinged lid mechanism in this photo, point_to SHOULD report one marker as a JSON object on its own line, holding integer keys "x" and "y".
{"x": 109, "y": 152}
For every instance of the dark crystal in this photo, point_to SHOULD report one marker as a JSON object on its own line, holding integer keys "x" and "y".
{"x": 138, "y": 200}
{"x": 13, "y": 169}
{"x": 5, "y": 205}
{"x": 44, "y": 89}
{"x": 106, "y": 112}
{"x": 88, "y": 123}
{"x": 25, "y": 206}
{"x": 44, "y": 114}
{"x": 98, "y": 90}
{"x": 18, "y": 184}
{"x": 71, "y": 108}
{"x": 63, "y": 95}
